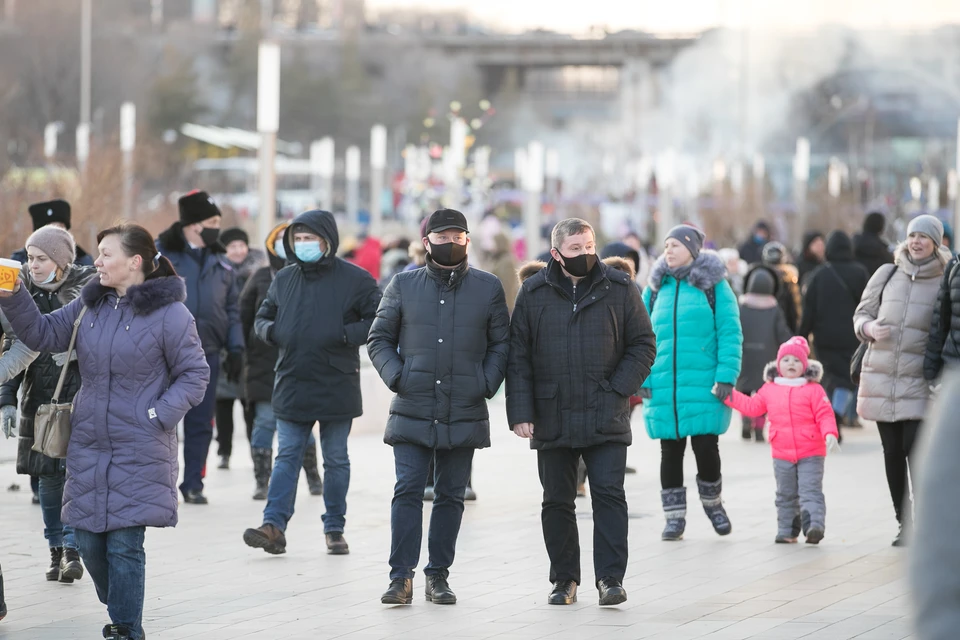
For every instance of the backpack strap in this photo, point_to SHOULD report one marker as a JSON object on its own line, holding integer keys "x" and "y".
{"x": 711, "y": 294}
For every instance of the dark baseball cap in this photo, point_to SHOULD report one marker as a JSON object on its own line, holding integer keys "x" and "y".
{"x": 443, "y": 219}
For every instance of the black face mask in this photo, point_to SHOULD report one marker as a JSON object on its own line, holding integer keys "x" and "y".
{"x": 579, "y": 266}
{"x": 209, "y": 236}
{"x": 448, "y": 255}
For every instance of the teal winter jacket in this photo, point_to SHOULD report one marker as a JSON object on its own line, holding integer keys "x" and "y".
{"x": 697, "y": 346}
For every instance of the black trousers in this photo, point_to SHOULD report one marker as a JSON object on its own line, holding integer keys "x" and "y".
{"x": 898, "y": 439}
{"x": 606, "y": 466}
{"x": 705, "y": 448}
{"x": 225, "y": 424}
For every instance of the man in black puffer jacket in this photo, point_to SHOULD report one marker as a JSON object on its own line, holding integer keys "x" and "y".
{"x": 831, "y": 299}
{"x": 318, "y": 312}
{"x": 581, "y": 344}
{"x": 259, "y": 360}
{"x": 440, "y": 342}
{"x": 943, "y": 344}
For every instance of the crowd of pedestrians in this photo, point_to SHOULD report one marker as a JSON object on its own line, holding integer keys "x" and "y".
{"x": 579, "y": 339}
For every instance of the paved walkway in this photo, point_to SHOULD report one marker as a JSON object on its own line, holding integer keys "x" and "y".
{"x": 202, "y": 582}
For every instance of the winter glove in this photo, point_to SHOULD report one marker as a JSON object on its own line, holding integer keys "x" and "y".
{"x": 877, "y": 331}
{"x": 60, "y": 358}
{"x": 722, "y": 390}
{"x": 8, "y": 420}
{"x": 233, "y": 366}
{"x": 935, "y": 389}
{"x": 645, "y": 393}
{"x": 833, "y": 446}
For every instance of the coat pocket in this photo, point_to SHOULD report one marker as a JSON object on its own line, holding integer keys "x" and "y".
{"x": 546, "y": 407}
{"x": 614, "y": 414}
{"x": 482, "y": 383}
{"x": 404, "y": 374}
{"x": 345, "y": 363}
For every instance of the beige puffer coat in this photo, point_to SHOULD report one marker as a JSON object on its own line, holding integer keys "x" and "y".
{"x": 892, "y": 387}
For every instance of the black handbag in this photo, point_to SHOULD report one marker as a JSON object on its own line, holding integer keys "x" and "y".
{"x": 856, "y": 362}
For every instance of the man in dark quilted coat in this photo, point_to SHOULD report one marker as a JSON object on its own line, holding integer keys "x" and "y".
{"x": 440, "y": 342}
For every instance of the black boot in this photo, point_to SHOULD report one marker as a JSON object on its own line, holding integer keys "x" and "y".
{"x": 564, "y": 592}
{"x": 70, "y": 567}
{"x": 116, "y": 632}
{"x": 53, "y": 573}
{"x": 746, "y": 427}
{"x": 611, "y": 592}
{"x": 314, "y": 480}
{"x": 758, "y": 434}
{"x": 439, "y": 591}
{"x": 399, "y": 592}
{"x": 3, "y": 603}
{"x": 262, "y": 468}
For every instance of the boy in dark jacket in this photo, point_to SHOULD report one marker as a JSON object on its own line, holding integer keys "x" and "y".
{"x": 318, "y": 312}
{"x": 764, "y": 330}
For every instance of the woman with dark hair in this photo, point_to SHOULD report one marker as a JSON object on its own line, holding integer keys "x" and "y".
{"x": 142, "y": 368}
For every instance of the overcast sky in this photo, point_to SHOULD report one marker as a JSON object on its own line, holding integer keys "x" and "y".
{"x": 576, "y": 16}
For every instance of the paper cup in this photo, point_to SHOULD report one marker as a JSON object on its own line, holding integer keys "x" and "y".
{"x": 9, "y": 272}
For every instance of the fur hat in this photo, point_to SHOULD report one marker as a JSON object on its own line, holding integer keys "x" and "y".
{"x": 56, "y": 243}
{"x": 797, "y": 347}
{"x": 44, "y": 213}
{"x": 197, "y": 206}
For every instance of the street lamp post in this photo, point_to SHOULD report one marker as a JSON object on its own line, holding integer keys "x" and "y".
{"x": 378, "y": 165}
{"x": 268, "y": 122}
{"x": 353, "y": 185}
{"x": 128, "y": 141}
{"x": 533, "y": 188}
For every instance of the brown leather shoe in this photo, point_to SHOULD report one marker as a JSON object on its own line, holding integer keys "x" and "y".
{"x": 266, "y": 537}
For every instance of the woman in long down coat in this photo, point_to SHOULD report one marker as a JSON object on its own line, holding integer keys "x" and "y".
{"x": 699, "y": 348}
{"x": 894, "y": 319}
{"x": 142, "y": 368}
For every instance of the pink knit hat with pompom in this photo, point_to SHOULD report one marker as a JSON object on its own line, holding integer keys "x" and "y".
{"x": 797, "y": 347}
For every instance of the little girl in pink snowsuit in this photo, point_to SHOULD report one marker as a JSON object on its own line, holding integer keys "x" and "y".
{"x": 802, "y": 428}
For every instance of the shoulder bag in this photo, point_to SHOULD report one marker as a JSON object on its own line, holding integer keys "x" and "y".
{"x": 51, "y": 428}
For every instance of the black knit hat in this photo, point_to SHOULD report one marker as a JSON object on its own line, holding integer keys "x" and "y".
{"x": 44, "y": 213}
{"x": 233, "y": 234}
{"x": 197, "y": 206}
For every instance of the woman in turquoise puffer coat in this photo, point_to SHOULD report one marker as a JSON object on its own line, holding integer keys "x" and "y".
{"x": 697, "y": 322}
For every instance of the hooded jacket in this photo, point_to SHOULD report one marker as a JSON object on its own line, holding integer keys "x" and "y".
{"x": 798, "y": 410}
{"x": 697, "y": 346}
{"x": 808, "y": 262}
{"x": 39, "y": 381}
{"x": 212, "y": 290}
{"x": 869, "y": 248}
{"x": 318, "y": 315}
{"x": 440, "y": 342}
{"x": 764, "y": 327}
{"x": 892, "y": 383}
{"x": 832, "y": 297}
{"x": 577, "y": 357}
{"x": 142, "y": 368}
{"x": 259, "y": 358}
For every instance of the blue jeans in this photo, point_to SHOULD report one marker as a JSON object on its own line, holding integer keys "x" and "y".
{"x": 51, "y": 503}
{"x": 406, "y": 511}
{"x": 265, "y": 426}
{"x": 292, "y": 439}
{"x": 116, "y": 563}
{"x": 198, "y": 432}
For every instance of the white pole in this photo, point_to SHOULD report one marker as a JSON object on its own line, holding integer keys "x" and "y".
{"x": 759, "y": 181}
{"x": 83, "y": 146}
{"x": 86, "y": 37}
{"x": 353, "y": 185}
{"x": 128, "y": 142}
{"x": 801, "y": 179}
{"x": 458, "y": 160}
{"x": 933, "y": 195}
{"x": 156, "y": 13}
{"x": 326, "y": 166}
{"x": 533, "y": 186}
{"x": 481, "y": 171}
{"x": 666, "y": 162}
{"x": 552, "y": 175}
{"x": 50, "y": 133}
{"x": 268, "y": 122}
{"x": 378, "y": 164}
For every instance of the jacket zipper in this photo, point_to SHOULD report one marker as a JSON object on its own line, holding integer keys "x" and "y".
{"x": 676, "y": 412}
{"x": 574, "y": 297}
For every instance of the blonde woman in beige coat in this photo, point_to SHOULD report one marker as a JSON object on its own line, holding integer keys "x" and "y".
{"x": 894, "y": 319}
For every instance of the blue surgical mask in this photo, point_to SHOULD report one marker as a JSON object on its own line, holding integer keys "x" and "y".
{"x": 279, "y": 249}
{"x": 308, "y": 251}
{"x": 50, "y": 278}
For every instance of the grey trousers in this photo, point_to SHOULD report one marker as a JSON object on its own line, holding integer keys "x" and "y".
{"x": 800, "y": 493}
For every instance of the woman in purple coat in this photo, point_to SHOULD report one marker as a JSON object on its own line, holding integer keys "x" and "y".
{"x": 142, "y": 368}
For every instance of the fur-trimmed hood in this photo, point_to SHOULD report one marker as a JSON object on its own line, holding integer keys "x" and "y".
{"x": 172, "y": 239}
{"x": 814, "y": 372}
{"x": 535, "y": 266}
{"x": 144, "y": 298}
{"x": 708, "y": 269}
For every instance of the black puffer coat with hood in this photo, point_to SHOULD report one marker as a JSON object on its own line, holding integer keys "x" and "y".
{"x": 318, "y": 314}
